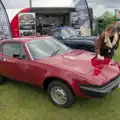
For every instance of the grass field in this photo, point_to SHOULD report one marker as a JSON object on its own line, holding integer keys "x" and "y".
{"x": 19, "y": 101}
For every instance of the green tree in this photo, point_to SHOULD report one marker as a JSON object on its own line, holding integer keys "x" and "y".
{"x": 104, "y": 20}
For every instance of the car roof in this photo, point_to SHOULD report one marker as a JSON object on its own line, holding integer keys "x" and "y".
{"x": 25, "y": 39}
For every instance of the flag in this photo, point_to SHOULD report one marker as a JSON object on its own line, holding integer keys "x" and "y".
{"x": 5, "y": 30}
{"x": 83, "y": 16}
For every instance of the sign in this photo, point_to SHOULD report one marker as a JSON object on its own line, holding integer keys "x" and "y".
{"x": 81, "y": 17}
{"x": 5, "y": 31}
{"x": 27, "y": 24}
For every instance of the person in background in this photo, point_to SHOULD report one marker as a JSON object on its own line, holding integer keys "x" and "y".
{"x": 107, "y": 43}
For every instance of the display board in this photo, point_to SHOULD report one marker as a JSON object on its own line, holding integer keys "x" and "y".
{"x": 27, "y": 24}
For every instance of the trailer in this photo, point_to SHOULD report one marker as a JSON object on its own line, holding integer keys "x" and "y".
{"x": 38, "y": 21}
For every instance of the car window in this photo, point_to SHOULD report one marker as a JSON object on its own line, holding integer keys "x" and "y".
{"x": 45, "y": 48}
{"x": 23, "y": 53}
{"x": 9, "y": 49}
{"x": 57, "y": 34}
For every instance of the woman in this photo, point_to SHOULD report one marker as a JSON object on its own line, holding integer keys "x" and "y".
{"x": 107, "y": 43}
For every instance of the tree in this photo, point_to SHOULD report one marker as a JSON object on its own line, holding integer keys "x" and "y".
{"x": 104, "y": 20}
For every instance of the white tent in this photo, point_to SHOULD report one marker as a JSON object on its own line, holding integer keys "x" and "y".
{"x": 13, "y": 4}
{"x": 52, "y": 3}
{"x": 13, "y": 9}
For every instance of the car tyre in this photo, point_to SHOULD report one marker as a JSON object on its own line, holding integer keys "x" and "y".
{"x": 60, "y": 94}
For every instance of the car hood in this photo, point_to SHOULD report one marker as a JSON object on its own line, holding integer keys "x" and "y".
{"x": 83, "y": 62}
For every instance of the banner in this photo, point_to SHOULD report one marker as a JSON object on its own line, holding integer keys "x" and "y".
{"x": 5, "y": 31}
{"x": 81, "y": 19}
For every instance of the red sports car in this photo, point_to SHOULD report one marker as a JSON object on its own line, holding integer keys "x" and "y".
{"x": 63, "y": 72}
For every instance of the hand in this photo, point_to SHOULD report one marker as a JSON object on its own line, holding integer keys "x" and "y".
{"x": 100, "y": 57}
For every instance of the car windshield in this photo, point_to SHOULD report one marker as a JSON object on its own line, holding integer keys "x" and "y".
{"x": 68, "y": 32}
{"x": 46, "y": 48}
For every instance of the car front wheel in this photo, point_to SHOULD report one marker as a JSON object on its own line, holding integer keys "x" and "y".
{"x": 61, "y": 94}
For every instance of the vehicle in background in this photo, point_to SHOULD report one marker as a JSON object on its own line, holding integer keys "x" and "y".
{"x": 70, "y": 37}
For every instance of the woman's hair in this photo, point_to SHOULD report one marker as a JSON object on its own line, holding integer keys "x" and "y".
{"x": 111, "y": 27}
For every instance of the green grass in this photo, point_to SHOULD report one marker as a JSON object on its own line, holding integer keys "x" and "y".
{"x": 24, "y": 102}
{"x": 19, "y": 101}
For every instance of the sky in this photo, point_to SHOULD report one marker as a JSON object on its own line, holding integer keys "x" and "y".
{"x": 99, "y": 6}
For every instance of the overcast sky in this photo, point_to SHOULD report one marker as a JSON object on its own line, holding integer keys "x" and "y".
{"x": 99, "y": 6}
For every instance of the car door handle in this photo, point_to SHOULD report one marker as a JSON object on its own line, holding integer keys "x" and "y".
{"x": 3, "y": 59}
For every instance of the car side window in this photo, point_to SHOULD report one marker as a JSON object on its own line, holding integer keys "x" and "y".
{"x": 57, "y": 34}
{"x": 14, "y": 50}
{"x": 23, "y": 53}
{"x": 9, "y": 49}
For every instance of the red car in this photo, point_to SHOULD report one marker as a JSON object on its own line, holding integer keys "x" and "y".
{"x": 63, "y": 72}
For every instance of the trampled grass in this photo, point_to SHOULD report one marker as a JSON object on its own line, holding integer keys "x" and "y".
{"x": 20, "y": 101}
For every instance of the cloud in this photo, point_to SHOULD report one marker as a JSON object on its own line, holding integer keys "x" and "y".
{"x": 99, "y": 10}
{"x": 106, "y": 3}
{"x": 101, "y": 6}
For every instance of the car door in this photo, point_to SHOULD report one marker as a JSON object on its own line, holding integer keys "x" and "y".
{"x": 12, "y": 66}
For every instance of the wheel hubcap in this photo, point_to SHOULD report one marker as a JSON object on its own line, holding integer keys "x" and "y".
{"x": 59, "y": 95}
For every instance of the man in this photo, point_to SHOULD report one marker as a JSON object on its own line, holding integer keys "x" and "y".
{"x": 107, "y": 43}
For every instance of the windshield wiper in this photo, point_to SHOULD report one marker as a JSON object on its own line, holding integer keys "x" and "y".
{"x": 54, "y": 53}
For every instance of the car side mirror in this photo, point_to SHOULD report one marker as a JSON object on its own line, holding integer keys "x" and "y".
{"x": 16, "y": 55}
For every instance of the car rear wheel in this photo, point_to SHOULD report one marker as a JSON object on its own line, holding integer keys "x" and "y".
{"x": 2, "y": 79}
{"x": 61, "y": 94}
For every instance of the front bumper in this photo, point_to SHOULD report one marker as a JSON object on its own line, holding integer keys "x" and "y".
{"x": 101, "y": 91}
